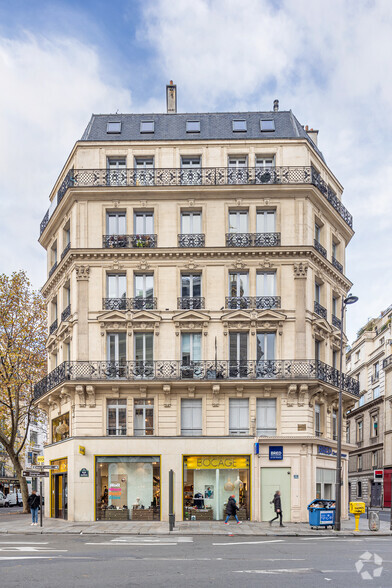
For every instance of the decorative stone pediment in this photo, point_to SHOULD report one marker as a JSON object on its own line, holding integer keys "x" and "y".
{"x": 112, "y": 316}
{"x": 237, "y": 315}
{"x": 321, "y": 327}
{"x": 144, "y": 321}
{"x": 191, "y": 320}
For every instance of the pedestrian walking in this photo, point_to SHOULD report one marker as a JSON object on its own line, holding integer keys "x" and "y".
{"x": 231, "y": 510}
{"x": 33, "y": 503}
{"x": 277, "y": 507}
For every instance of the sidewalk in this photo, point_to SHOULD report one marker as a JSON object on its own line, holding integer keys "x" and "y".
{"x": 21, "y": 524}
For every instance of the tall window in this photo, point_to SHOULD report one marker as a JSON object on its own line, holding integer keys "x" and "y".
{"x": 190, "y": 285}
{"x": 359, "y": 484}
{"x": 317, "y": 292}
{"x": 238, "y": 353}
{"x": 144, "y": 171}
{"x": 376, "y": 371}
{"x": 116, "y": 417}
{"x": 238, "y": 170}
{"x": 359, "y": 464}
{"x": 334, "y": 425}
{"x": 317, "y": 346}
{"x": 335, "y": 359}
{"x": 116, "y": 171}
{"x": 374, "y": 425}
{"x": 190, "y": 223}
{"x": 144, "y": 347}
{"x": 375, "y": 459}
{"x": 238, "y": 290}
{"x": 334, "y": 249}
{"x": 144, "y": 223}
{"x": 144, "y": 291}
{"x": 266, "y": 284}
{"x": 144, "y": 417}
{"x": 266, "y": 416}
{"x": 116, "y": 223}
{"x": 116, "y": 347}
{"x": 317, "y": 232}
{"x": 376, "y": 392}
{"x": 334, "y": 306}
{"x": 359, "y": 431}
{"x": 239, "y": 416}
{"x": 317, "y": 420}
{"x": 348, "y": 431}
{"x": 191, "y": 416}
{"x": 265, "y": 221}
{"x": 116, "y": 290}
{"x": 265, "y": 346}
{"x": 238, "y": 221}
{"x": 191, "y": 170}
{"x": 190, "y": 348}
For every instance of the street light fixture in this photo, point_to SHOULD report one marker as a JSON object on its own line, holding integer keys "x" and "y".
{"x": 338, "y": 493}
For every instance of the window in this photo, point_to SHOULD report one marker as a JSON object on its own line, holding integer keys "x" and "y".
{"x": 325, "y": 483}
{"x": 317, "y": 232}
{"x": 33, "y": 437}
{"x": 348, "y": 432}
{"x": 359, "y": 463}
{"x": 113, "y": 127}
{"x": 191, "y": 416}
{"x": 190, "y": 354}
{"x": 144, "y": 291}
{"x": 317, "y": 291}
{"x": 375, "y": 459}
{"x": 191, "y": 170}
{"x": 361, "y": 401}
{"x": 317, "y": 420}
{"x": 116, "y": 348}
{"x": 334, "y": 425}
{"x": 144, "y": 417}
{"x": 116, "y": 223}
{"x": 193, "y": 126}
{"x": 317, "y": 347}
{"x": 376, "y": 392}
{"x": 265, "y": 221}
{"x": 144, "y": 347}
{"x": 54, "y": 309}
{"x": 265, "y": 346}
{"x": 239, "y": 126}
{"x": 60, "y": 428}
{"x": 66, "y": 235}
{"x": 238, "y": 170}
{"x": 238, "y": 221}
{"x": 358, "y": 355}
{"x": 66, "y": 295}
{"x": 359, "y": 431}
{"x": 116, "y": 171}
{"x": 334, "y": 249}
{"x": 144, "y": 223}
{"x": 359, "y": 484}
{"x": 334, "y": 306}
{"x": 266, "y": 284}
{"x": 144, "y": 163}
{"x": 147, "y": 126}
{"x": 374, "y": 425}
{"x": 190, "y": 223}
{"x": 116, "y": 290}
{"x": 239, "y": 416}
{"x": 144, "y": 171}
{"x": 190, "y": 285}
{"x": 66, "y": 352}
{"x": 266, "y": 416}
{"x": 263, "y": 161}
{"x": 376, "y": 371}
{"x": 238, "y": 354}
{"x": 267, "y": 125}
{"x": 116, "y": 417}
{"x": 238, "y": 284}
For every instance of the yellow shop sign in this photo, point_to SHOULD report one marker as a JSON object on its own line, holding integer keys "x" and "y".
{"x": 217, "y": 462}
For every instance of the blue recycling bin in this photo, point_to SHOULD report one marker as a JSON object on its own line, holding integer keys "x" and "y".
{"x": 322, "y": 513}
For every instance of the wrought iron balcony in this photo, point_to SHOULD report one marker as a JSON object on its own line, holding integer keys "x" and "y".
{"x": 320, "y": 248}
{"x": 52, "y": 268}
{"x": 190, "y": 302}
{"x": 387, "y": 362}
{"x": 207, "y": 176}
{"x": 336, "y": 322}
{"x": 53, "y": 327}
{"x": 374, "y": 378}
{"x": 252, "y": 239}
{"x": 138, "y": 241}
{"x": 65, "y": 250}
{"x": 336, "y": 264}
{"x": 258, "y": 302}
{"x": 137, "y": 303}
{"x": 66, "y": 313}
{"x": 191, "y": 240}
{"x": 167, "y": 370}
{"x": 320, "y": 310}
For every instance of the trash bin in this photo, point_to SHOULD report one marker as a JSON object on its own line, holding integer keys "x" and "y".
{"x": 321, "y": 513}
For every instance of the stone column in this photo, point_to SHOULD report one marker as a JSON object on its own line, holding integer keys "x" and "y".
{"x": 300, "y": 273}
{"x": 82, "y": 277}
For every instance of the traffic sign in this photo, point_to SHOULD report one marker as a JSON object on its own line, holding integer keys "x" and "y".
{"x": 35, "y": 474}
{"x": 44, "y": 467}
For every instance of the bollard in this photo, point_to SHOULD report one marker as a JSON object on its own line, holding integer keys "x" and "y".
{"x": 374, "y": 521}
{"x": 171, "y": 501}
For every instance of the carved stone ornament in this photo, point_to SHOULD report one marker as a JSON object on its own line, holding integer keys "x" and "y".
{"x": 82, "y": 272}
{"x": 291, "y": 394}
{"x": 300, "y": 269}
{"x": 167, "y": 399}
{"x": 80, "y": 392}
{"x": 215, "y": 394}
{"x": 65, "y": 395}
{"x": 90, "y": 392}
{"x": 303, "y": 390}
{"x": 143, "y": 265}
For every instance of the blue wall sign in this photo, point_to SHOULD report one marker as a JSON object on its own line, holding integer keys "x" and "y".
{"x": 328, "y": 451}
{"x": 276, "y": 451}
{"x": 257, "y": 448}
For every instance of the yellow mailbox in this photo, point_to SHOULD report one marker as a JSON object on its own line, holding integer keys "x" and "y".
{"x": 357, "y": 508}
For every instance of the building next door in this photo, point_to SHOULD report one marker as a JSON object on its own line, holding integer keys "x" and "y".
{"x": 59, "y": 490}
{"x": 271, "y": 480}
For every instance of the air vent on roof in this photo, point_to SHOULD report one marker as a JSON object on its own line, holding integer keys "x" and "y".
{"x": 267, "y": 125}
{"x": 193, "y": 126}
{"x": 113, "y": 127}
{"x": 239, "y": 126}
{"x": 147, "y": 126}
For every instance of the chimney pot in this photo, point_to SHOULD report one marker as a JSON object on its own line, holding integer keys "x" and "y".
{"x": 171, "y": 98}
{"x": 276, "y": 105}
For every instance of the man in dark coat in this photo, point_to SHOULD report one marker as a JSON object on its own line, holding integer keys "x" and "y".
{"x": 277, "y": 507}
{"x": 33, "y": 502}
{"x": 231, "y": 510}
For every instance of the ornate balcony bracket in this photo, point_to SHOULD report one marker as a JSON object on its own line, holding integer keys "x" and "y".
{"x": 167, "y": 399}
{"x": 90, "y": 393}
{"x": 215, "y": 394}
{"x": 82, "y": 397}
{"x": 291, "y": 394}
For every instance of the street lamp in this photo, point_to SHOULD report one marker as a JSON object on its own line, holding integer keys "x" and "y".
{"x": 349, "y": 300}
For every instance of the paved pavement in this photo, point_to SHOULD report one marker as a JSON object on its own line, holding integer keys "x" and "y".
{"x": 21, "y": 524}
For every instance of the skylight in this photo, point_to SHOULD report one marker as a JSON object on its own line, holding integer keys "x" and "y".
{"x": 113, "y": 127}
{"x": 147, "y": 126}
{"x": 267, "y": 125}
{"x": 239, "y": 126}
{"x": 193, "y": 126}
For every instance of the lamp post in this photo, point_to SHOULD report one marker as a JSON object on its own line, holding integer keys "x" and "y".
{"x": 349, "y": 300}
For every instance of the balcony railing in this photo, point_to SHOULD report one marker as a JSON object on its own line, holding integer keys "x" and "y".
{"x": 65, "y": 250}
{"x": 320, "y": 248}
{"x": 387, "y": 362}
{"x": 52, "y": 268}
{"x": 116, "y": 432}
{"x": 191, "y": 240}
{"x": 129, "y": 303}
{"x": 208, "y": 176}
{"x": 374, "y": 378}
{"x": 138, "y": 241}
{"x": 320, "y": 310}
{"x": 336, "y": 322}
{"x": 336, "y": 264}
{"x": 190, "y": 302}
{"x": 274, "y": 369}
{"x": 66, "y": 313}
{"x": 252, "y": 239}
{"x": 258, "y": 302}
{"x": 53, "y": 327}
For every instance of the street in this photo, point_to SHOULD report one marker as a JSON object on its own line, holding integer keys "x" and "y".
{"x": 127, "y": 561}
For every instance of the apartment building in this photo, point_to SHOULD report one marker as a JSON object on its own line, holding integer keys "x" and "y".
{"x": 367, "y": 422}
{"x": 196, "y": 267}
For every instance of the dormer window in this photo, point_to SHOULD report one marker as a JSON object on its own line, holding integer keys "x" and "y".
{"x": 147, "y": 126}
{"x": 113, "y": 128}
{"x": 193, "y": 126}
{"x": 239, "y": 126}
{"x": 267, "y": 125}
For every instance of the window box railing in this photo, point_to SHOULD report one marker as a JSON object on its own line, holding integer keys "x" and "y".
{"x": 337, "y": 264}
{"x": 52, "y": 269}
{"x": 116, "y": 432}
{"x": 191, "y": 240}
{"x": 53, "y": 327}
{"x": 207, "y": 176}
{"x": 318, "y": 433}
{"x": 320, "y": 248}
{"x": 66, "y": 313}
{"x": 320, "y": 310}
{"x": 138, "y": 241}
{"x": 137, "y": 303}
{"x": 336, "y": 322}
{"x": 252, "y": 239}
{"x": 239, "y": 432}
{"x": 387, "y": 362}
{"x": 65, "y": 250}
{"x": 190, "y": 302}
{"x": 143, "y": 432}
{"x": 167, "y": 370}
{"x": 251, "y": 302}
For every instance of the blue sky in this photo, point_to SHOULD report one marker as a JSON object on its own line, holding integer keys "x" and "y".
{"x": 327, "y": 61}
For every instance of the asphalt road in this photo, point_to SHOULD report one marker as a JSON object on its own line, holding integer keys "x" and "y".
{"x": 10, "y": 510}
{"x": 131, "y": 561}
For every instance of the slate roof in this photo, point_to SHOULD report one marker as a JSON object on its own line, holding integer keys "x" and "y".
{"x": 213, "y": 126}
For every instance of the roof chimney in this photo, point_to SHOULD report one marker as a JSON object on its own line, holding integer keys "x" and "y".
{"x": 171, "y": 98}
{"x": 276, "y": 105}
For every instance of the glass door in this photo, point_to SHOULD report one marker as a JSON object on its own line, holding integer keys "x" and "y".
{"x": 238, "y": 170}
{"x": 144, "y": 171}
{"x": 191, "y": 170}
{"x": 191, "y": 355}
{"x": 238, "y": 354}
{"x": 144, "y": 354}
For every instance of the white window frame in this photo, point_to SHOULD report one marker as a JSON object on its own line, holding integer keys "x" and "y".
{"x": 239, "y": 416}
{"x": 143, "y": 404}
{"x": 117, "y": 405}
{"x": 266, "y": 417}
{"x": 192, "y": 413}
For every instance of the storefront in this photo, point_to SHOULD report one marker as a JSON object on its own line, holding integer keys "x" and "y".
{"x": 209, "y": 480}
{"x": 59, "y": 489}
{"x": 128, "y": 487}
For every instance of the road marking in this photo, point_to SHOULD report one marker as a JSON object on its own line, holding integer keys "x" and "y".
{"x": 23, "y": 543}
{"x": 138, "y": 544}
{"x": 250, "y": 542}
{"x": 153, "y": 539}
{"x": 328, "y": 539}
{"x": 275, "y": 572}
{"x": 29, "y": 548}
{"x": 28, "y": 557}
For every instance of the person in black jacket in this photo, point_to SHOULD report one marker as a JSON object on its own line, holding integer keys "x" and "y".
{"x": 231, "y": 510}
{"x": 33, "y": 503}
{"x": 277, "y": 507}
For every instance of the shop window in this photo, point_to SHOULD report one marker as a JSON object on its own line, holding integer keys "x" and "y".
{"x": 60, "y": 428}
{"x": 128, "y": 488}
{"x": 144, "y": 417}
{"x": 239, "y": 416}
{"x": 266, "y": 417}
{"x": 117, "y": 417}
{"x": 191, "y": 416}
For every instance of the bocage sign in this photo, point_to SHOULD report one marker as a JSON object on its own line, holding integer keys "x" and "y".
{"x": 217, "y": 462}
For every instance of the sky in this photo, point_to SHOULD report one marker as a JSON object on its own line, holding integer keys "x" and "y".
{"x": 327, "y": 61}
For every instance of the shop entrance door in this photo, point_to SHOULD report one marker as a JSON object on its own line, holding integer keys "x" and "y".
{"x": 272, "y": 479}
{"x": 60, "y": 496}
